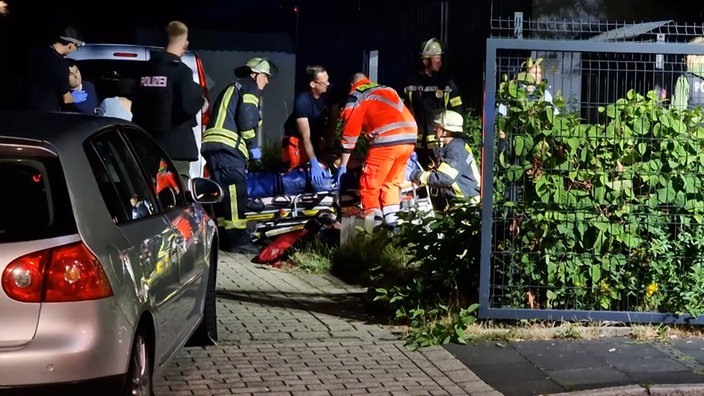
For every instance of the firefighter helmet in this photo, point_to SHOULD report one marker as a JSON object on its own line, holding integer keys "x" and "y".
{"x": 451, "y": 121}
{"x": 257, "y": 65}
{"x": 430, "y": 48}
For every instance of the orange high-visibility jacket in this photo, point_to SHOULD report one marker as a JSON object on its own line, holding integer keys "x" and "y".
{"x": 379, "y": 112}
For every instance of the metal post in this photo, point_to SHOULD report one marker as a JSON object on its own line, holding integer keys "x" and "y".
{"x": 518, "y": 25}
{"x": 660, "y": 58}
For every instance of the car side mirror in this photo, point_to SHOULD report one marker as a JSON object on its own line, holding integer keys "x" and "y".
{"x": 205, "y": 191}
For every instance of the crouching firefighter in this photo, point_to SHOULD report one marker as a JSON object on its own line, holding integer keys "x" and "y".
{"x": 229, "y": 142}
{"x": 456, "y": 176}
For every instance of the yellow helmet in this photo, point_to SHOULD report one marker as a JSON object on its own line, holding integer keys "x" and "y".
{"x": 451, "y": 121}
{"x": 430, "y": 48}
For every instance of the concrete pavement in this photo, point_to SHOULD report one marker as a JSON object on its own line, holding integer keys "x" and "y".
{"x": 284, "y": 333}
{"x": 604, "y": 365}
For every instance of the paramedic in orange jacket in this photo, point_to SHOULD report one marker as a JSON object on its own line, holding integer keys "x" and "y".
{"x": 379, "y": 113}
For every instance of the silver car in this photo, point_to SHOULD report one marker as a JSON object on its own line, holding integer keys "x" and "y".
{"x": 107, "y": 260}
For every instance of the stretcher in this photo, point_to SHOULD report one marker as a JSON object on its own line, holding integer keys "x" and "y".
{"x": 271, "y": 216}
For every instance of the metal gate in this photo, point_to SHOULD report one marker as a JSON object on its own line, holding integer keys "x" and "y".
{"x": 590, "y": 65}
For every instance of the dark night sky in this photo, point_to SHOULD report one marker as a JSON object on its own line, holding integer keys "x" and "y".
{"x": 115, "y": 21}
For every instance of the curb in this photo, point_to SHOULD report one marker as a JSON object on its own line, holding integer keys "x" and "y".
{"x": 633, "y": 390}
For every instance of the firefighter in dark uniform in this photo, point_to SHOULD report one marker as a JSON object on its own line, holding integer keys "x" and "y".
{"x": 167, "y": 100}
{"x": 229, "y": 142}
{"x": 456, "y": 176}
{"x": 430, "y": 92}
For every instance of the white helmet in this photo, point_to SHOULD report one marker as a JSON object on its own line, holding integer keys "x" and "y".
{"x": 450, "y": 120}
{"x": 430, "y": 48}
{"x": 257, "y": 65}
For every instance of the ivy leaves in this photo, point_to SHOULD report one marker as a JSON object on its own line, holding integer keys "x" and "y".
{"x": 602, "y": 206}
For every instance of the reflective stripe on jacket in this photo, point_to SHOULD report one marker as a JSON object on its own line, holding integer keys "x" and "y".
{"x": 236, "y": 115}
{"x": 457, "y": 176}
{"x": 427, "y": 95}
{"x": 379, "y": 112}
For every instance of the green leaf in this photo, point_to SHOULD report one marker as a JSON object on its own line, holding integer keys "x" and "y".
{"x": 666, "y": 120}
{"x": 666, "y": 195}
{"x": 581, "y": 228}
{"x": 620, "y": 185}
{"x": 574, "y": 143}
{"x": 519, "y": 145}
{"x": 680, "y": 198}
{"x": 595, "y": 273}
{"x": 513, "y": 89}
{"x": 611, "y": 111}
{"x": 641, "y": 125}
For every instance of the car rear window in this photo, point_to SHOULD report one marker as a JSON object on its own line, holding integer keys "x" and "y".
{"x": 35, "y": 199}
{"x": 106, "y": 75}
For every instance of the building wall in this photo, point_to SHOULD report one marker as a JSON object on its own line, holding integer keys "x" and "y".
{"x": 396, "y": 29}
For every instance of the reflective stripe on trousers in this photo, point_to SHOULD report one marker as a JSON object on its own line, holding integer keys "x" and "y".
{"x": 382, "y": 175}
{"x": 229, "y": 171}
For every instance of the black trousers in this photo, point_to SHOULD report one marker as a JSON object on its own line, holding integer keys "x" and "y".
{"x": 230, "y": 172}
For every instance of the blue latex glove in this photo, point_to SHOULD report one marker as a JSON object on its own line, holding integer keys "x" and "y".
{"x": 255, "y": 153}
{"x": 340, "y": 172}
{"x": 317, "y": 173}
{"x": 79, "y": 96}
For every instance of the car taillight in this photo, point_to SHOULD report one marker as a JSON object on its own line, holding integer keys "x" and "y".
{"x": 205, "y": 116}
{"x": 61, "y": 274}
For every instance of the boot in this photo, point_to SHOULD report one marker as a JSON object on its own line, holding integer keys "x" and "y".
{"x": 241, "y": 242}
{"x": 245, "y": 249}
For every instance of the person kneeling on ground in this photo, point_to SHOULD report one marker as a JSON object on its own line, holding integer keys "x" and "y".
{"x": 456, "y": 176}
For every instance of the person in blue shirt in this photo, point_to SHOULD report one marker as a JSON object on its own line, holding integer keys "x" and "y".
{"x": 313, "y": 119}
{"x": 120, "y": 105}
{"x": 76, "y": 83}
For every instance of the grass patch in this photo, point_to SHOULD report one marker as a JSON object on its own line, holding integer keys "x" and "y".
{"x": 313, "y": 257}
{"x": 516, "y": 331}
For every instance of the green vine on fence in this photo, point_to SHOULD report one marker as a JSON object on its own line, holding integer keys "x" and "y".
{"x": 605, "y": 216}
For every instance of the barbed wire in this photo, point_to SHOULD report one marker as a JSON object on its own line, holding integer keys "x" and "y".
{"x": 576, "y": 29}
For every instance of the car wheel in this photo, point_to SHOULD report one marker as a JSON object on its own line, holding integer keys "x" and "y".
{"x": 139, "y": 375}
{"x": 207, "y": 332}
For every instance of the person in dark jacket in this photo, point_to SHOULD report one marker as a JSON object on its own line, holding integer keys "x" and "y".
{"x": 44, "y": 82}
{"x": 229, "y": 142}
{"x": 456, "y": 175}
{"x": 431, "y": 90}
{"x": 167, "y": 100}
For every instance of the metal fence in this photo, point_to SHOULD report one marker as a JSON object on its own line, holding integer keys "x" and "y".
{"x": 590, "y": 65}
